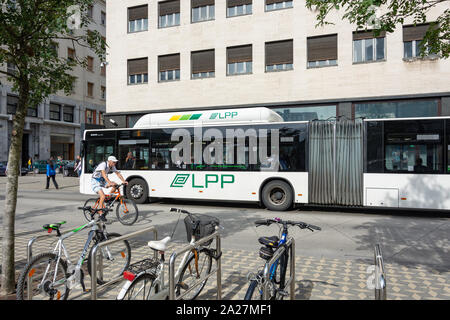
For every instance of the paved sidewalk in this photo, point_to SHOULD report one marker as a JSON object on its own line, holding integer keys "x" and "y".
{"x": 316, "y": 278}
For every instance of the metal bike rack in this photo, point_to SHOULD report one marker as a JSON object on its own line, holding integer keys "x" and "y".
{"x": 380, "y": 275}
{"x": 104, "y": 244}
{"x": 290, "y": 244}
{"x": 217, "y": 270}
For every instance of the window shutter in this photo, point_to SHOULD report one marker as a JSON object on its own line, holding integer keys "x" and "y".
{"x": 279, "y": 52}
{"x": 322, "y": 48}
{"x": 201, "y": 3}
{"x": 234, "y": 3}
{"x": 361, "y": 35}
{"x": 169, "y": 7}
{"x": 418, "y": 32}
{"x": 137, "y": 13}
{"x": 239, "y": 54}
{"x": 169, "y": 62}
{"x": 137, "y": 66}
{"x": 203, "y": 61}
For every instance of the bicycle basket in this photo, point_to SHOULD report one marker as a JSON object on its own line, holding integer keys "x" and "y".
{"x": 200, "y": 226}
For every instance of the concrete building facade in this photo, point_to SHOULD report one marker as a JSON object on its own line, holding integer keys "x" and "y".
{"x": 265, "y": 53}
{"x": 55, "y": 127}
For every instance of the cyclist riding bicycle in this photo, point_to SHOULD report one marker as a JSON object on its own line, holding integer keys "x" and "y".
{"x": 100, "y": 180}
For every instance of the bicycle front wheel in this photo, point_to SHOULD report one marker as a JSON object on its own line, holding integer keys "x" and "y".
{"x": 193, "y": 271}
{"x": 127, "y": 212}
{"x": 111, "y": 261}
{"x": 44, "y": 278}
{"x": 253, "y": 291}
{"x": 142, "y": 288}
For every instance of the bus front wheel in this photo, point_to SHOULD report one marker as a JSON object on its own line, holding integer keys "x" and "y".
{"x": 137, "y": 190}
{"x": 277, "y": 195}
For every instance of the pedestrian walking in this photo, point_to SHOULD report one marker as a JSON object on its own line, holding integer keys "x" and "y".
{"x": 78, "y": 166}
{"x": 51, "y": 173}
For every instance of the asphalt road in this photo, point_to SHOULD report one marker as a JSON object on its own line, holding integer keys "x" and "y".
{"x": 410, "y": 238}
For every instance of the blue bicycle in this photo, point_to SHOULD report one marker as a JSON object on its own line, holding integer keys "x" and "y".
{"x": 278, "y": 269}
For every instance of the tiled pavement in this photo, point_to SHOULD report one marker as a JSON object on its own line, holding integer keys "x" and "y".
{"x": 316, "y": 278}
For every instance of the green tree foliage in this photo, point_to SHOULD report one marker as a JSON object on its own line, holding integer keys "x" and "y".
{"x": 29, "y": 32}
{"x": 393, "y": 13}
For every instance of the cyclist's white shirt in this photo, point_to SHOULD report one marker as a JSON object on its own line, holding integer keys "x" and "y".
{"x": 103, "y": 166}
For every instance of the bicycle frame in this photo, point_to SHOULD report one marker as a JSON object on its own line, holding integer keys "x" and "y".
{"x": 60, "y": 249}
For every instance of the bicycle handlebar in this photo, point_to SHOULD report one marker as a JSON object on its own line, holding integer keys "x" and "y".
{"x": 301, "y": 225}
{"x": 179, "y": 210}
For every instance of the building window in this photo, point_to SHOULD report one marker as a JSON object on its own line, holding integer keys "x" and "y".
{"x": 307, "y": 113}
{"x": 101, "y": 119}
{"x": 103, "y": 18}
{"x": 202, "y": 10}
{"x": 138, "y": 19}
{"x": 239, "y": 7}
{"x": 103, "y": 92}
{"x": 90, "y": 11}
{"x": 90, "y": 89}
{"x": 239, "y": 60}
{"x": 397, "y": 109}
{"x": 169, "y": 67}
{"x": 32, "y": 111}
{"x": 11, "y": 104}
{"x": 138, "y": 71}
{"x": 71, "y": 54}
{"x": 90, "y": 116}
{"x": 68, "y": 113}
{"x": 103, "y": 70}
{"x": 322, "y": 51}
{"x": 367, "y": 48}
{"x": 90, "y": 64}
{"x": 169, "y": 13}
{"x": 55, "y": 112}
{"x": 11, "y": 68}
{"x": 203, "y": 64}
{"x": 278, "y": 4}
{"x": 412, "y": 41}
{"x": 279, "y": 56}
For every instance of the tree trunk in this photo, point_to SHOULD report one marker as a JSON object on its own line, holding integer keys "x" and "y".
{"x": 14, "y": 158}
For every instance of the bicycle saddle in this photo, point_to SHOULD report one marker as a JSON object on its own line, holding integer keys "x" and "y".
{"x": 269, "y": 241}
{"x": 159, "y": 245}
{"x": 53, "y": 226}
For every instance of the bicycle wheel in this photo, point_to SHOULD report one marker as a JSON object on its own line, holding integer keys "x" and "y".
{"x": 127, "y": 212}
{"x": 46, "y": 280}
{"x": 191, "y": 273}
{"x": 253, "y": 292}
{"x": 92, "y": 202}
{"x": 142, "y": 288}
{"x": 114, "y": 259}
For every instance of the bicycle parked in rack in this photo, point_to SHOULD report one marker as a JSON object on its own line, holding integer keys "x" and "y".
{"x": 50, "y": 276}
{"x": 145, "y": 278}
{"x": 277, "y": 271}
{"x": 126, "y": 211}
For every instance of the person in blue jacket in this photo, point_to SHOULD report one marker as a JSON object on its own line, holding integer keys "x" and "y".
{"x": 51, "y": 173}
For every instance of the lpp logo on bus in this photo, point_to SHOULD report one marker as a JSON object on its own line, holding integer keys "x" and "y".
{"x": 74, "y": 21}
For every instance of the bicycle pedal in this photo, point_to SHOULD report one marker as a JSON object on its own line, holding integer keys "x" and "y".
{"x": 283, "y": 293}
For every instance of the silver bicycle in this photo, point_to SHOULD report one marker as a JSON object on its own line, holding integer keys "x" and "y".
{"x": 52, "y": 275}
{"x": 145, "y": 279}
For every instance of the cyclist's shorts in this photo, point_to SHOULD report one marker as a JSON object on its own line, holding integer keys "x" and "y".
{"x": 97, "y": 184}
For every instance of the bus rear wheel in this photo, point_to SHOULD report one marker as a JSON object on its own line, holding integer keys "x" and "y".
{"x": 277, "y": 195}
{"x": 137, "y": 190}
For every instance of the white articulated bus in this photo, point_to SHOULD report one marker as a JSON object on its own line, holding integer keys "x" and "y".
{"x": 253, "y": 155}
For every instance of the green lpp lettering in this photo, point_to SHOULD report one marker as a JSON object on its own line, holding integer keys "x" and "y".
{"x": 223, "y": 180}
{"x": 193, "y": 182}
{"x": 211, "y": 181}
